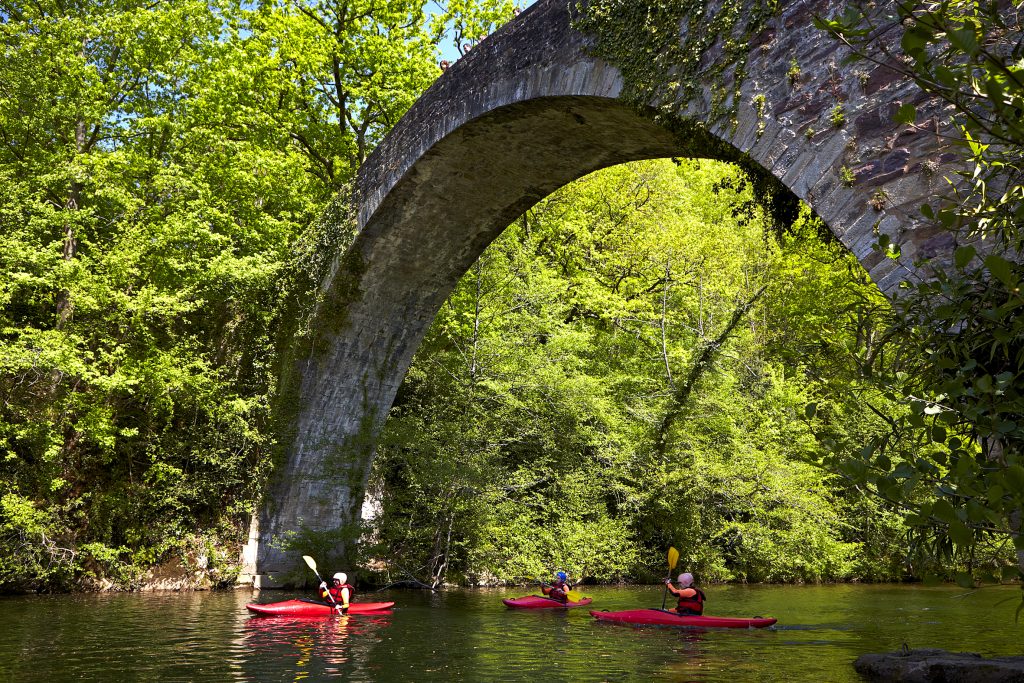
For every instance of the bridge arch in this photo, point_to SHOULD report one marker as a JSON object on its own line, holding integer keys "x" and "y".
{"x": 525, "y": 112}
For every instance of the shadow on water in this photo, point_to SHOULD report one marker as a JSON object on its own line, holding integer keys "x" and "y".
{"x": 470, "y": 636}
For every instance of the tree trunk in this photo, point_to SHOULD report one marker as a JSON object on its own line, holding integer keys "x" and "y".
{"x": 994, "y": 453}
{"x": 64, "y": 303}
{"x": 664, "y": 315}
{"x": 1017, "y": 526}
{"x": 707, "y": 355}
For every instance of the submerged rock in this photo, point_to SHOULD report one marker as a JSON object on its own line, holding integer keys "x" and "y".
{"x": 939, "y": 666}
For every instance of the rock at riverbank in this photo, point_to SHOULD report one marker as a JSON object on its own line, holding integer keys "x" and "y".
{"x": 939, "y": 666}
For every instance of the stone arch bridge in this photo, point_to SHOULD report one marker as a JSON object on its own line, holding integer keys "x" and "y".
{"x": 525, "y": 112}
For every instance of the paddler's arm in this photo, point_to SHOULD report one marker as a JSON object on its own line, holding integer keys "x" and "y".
{"x": 344, "y": 600}
{"x": 672, "y": 589}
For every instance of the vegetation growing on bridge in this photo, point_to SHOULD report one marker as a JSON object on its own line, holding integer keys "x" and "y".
{"x": 669, "y": 52}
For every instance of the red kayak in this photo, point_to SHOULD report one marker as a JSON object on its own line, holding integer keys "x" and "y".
{"x": 541, "y": 602}
{"x": 312, "y": 608}
{"x": 664, "y": 617}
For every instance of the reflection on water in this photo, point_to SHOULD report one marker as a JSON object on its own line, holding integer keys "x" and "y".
{"x": 337, "y": 646}
{"x": 471, "y": 636}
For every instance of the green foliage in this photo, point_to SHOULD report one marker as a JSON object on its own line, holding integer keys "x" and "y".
{"x": 466, "y": 22}
{"x": 837, "y": 116}
{"x": 531, "y": 431}
{"x": 954, "y": 351}
{"x": 847, "y": 175}
{"x": 643, "y": 40}
{"x": 794, "y": 71}
{"x": 160, "y": 169}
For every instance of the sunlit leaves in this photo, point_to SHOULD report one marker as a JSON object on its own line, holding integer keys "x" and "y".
{"x": 590, "y": 305}
{"x": 158, "y": 163}
{"x": 961, "y": 332}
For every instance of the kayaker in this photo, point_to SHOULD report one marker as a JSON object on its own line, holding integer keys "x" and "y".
{"x": 691, "y": 598}
{"x": 559, "y": 588}
{"x": 342, "y": 592}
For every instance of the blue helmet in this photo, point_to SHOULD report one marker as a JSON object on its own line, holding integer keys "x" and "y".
{"x": 561, "y": 576}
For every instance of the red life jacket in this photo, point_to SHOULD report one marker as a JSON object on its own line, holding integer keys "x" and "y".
{"x": 692, "y": 605}
{"x": 335, "y": 592}
{"x": 556, "y": 591}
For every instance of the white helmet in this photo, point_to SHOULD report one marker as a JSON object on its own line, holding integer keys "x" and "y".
{"x": 685, "y": 579}
{"x": 341, "y": 577}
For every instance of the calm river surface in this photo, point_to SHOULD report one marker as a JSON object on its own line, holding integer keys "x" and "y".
{"x": 470, "y": 636}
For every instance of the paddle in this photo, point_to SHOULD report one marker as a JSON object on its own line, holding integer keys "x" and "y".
{"x": 673, "y": 559}
{"x": 573, "y": 595}
{"x": 311, "y": 563}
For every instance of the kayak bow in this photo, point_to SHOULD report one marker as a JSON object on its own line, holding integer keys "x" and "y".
{"x": 657, "y": 617}
{"x": 312, "y": 608}
{"x": 541, "y": 602}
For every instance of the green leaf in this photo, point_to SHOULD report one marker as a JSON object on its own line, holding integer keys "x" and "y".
{"x": 963, "y": 256}
{"x": 1006, "y": 426}
{"x": 938, "y": 434}
{"x": 995, "y": 495}
{"x": 1014, "y": 475}
{"x": 943, "y": 510}
{"x": 976, "y": 512}
{"x": 810, "y": 409}
{"x": 1000, "y": 268}
{"x": 907, "y": 113}
{"x": 960, "y": 534}
{"x": 965, "y": 39}
{"x": 915, "y": 40}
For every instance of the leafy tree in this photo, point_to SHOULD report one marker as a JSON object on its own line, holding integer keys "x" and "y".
{"x": 531, "y": 431}
{"x": 953, "y": 351}
{"x": 158, "y": 165}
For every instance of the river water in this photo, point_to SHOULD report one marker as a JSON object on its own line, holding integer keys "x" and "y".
{"x": 468, "y": 635}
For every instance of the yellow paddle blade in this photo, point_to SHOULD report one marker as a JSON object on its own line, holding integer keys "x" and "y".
{"x": 310, "y": 562}
{"x": 574, "y": 596}
{"x": 673, "y": 559}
